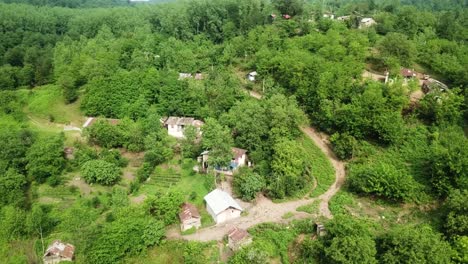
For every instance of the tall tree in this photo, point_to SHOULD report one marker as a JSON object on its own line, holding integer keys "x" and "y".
{"x": 218, "y": 140}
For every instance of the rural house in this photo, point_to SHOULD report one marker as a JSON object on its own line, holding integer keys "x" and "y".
{"x": 189, "y": 217}
{"x": 221, "y": 206}
{"x": 176, "y": 125}
{"x": 238, "y": 238}
{"x": 58, "y": 252}
{"x": 366, "y": 22}
{"x": 239, "y": 159}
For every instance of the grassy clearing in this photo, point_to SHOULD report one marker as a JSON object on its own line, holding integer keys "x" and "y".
{"x": 309, "y": 208}
{"x": 46, "y": 102}
{"x": 173, "y": 251}
{"x": 322, "y": 169}
{"x": 384, "y": 214}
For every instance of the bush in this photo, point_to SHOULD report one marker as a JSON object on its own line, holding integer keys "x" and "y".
{"x": 343, "y": 145}
{"x": 382, "y": 179}
{"x": 102, "y": 172}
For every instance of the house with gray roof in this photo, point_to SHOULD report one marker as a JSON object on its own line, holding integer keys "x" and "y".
{"x": 221, "y": 206}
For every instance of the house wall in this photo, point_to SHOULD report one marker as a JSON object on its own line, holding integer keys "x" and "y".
{"x": 193, "y": 222}
{"x": 210, "y": 211}
{"x": 55, "y": 259}
{"x": 235, "y": 246}
{"x": 227, "y": 215}
{"x": 242, "y": 160}
{"x": 175, "y": 131}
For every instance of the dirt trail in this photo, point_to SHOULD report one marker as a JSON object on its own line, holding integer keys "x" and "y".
{"x": 264, "y": 210}
{"x": 321, "y": 141}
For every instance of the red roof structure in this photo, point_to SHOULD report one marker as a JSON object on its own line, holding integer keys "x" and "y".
{"x": 238, "y": 152}
{"x": 237, "y": 234}
{"x": 407, "y": 73}
{"x": 60, "y": 250}
{"x": 286, "y": 16}
{"x": 188, "y": 212}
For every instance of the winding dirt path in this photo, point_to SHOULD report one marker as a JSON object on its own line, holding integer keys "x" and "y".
{"x": 321, "y": 141}
{"x": 264, "y": 210}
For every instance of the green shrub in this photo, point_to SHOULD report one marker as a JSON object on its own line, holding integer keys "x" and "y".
{"x": 384, "y": 180}
{"x": 102, "y": 172}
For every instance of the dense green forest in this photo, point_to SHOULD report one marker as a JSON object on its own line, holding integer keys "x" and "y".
{"x": 116, "y": 194}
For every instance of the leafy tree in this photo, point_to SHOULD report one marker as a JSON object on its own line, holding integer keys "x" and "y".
{"x": 165, "y": 207}
{"x": 399, "y": 46}
{"x": 129, "y": 234}
{"x": 102, "y": 172}
{"x": 461, "y": 245}
{"x": 12, "y": 187}
{"x": 113, "y": 156}
{"x": 190, "y": 144}
{"x": 248, "y": 183}
{"x": 12, "y": 221}
{"x": 444, "y": 109}
{"x": 448, "y": 163}
{"x": 158, "y": 149}
{"x": 119, "y": 197}
{"x": 218, "y": 140}
{"x": 39, "y": 222}
{"x": 413, "y": 244}
{"x": 46, "y": 158}
{"x": 290, "y": 7}
{"x": 456, "y": 219}
{"x": 193, "y": 253}
{"x": 343, "y": 145}
{"x": 383, "y": 179}
{"x": 104, "y": 134}
{"x": 351, "y": 249}
{"x": 14, "y": 145}
{"x": 249, "y": 123}
{"x": 249, "y": 255}
{"x": 290, "y": 171}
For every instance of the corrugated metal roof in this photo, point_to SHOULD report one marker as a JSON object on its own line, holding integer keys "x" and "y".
{"x": 219, "y": 201}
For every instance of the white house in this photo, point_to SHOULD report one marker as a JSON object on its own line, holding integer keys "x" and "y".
{"x": 366, "y": 22}
{"x": 189, "y": 217}
{"x": 58, "y": 251}
{"x": 176, "y": 125}
{"x": 239, "y": 159}
{"x": 251, "y": 76}
{"x": 221, "y": 206}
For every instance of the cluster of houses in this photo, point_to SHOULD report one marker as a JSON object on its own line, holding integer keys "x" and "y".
{"x": 222, "y": 208}
{"x": 427, "y": 83}
{"x": 364, "y": 22}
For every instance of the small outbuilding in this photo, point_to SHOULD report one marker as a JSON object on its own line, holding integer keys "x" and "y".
{"x": 189, "y": 217}
{"x": 221, "y": 206}
{"x": 58, "y": 251}
{"x": 237, "y": 238}
{"x": 321, "y": 231}
{"x": 251, "y": 76}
